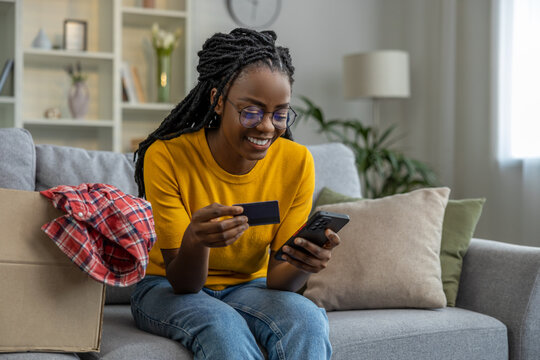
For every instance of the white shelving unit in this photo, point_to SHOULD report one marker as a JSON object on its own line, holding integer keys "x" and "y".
{"x": 117, "y": 31}
{"x": 8, "y": 38}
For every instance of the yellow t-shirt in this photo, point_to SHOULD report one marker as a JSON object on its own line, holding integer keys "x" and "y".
{"x": 181, "y": 176}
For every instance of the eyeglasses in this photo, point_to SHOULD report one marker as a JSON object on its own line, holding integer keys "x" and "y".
{"x": 252, "y": 116}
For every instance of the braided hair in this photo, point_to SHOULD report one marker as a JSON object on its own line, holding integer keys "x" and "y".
{"x": 222, "y": 59}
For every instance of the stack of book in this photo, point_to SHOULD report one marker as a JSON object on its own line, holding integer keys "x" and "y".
{"x": 8, "y": 65}
{"x": 132, "y": 90}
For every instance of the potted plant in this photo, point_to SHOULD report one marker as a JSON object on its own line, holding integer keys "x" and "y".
{"x": 383, "y": 170}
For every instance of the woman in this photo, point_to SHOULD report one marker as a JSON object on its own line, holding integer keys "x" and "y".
{"x": 212, "y": 282}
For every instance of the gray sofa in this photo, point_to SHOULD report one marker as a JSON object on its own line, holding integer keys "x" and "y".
{"x": 498, "y": 306}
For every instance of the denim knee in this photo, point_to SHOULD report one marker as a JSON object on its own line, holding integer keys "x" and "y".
{"x": 306, "y": 316}
{"x": 307, "y": 331}
{"x": 225, "y": 335}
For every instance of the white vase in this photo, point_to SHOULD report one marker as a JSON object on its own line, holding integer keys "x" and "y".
{"x": 41, "y": 41}
{"x": 78, "y": 99}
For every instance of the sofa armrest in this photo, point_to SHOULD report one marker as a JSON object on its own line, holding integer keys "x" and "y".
{"x": 503, "y": 281}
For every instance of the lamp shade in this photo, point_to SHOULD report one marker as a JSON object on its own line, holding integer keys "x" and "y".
{"x": 378, "y": 74}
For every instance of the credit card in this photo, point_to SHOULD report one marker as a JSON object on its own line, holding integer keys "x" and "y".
{"x": 261, "y": 213}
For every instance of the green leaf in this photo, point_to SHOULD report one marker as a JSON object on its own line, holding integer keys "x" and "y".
{"x": 385, "y": 135}
{"x": 382, "y": 170}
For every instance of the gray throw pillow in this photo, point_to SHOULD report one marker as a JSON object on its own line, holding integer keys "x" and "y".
{"x": 62, "y": 165}
{"x": 17, "y": 159}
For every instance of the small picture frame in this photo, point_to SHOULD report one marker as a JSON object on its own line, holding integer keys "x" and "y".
{"x": 75, "y": 34}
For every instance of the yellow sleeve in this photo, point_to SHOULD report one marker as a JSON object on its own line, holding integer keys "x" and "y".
{"x": 301, "y": 207}
{"x": 163, "y": 192}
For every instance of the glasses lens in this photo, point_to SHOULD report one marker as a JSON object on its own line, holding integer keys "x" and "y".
{"x": 251, "y": 116}
{"x": 281, "y": 118}
{"x": 284, "y": 118}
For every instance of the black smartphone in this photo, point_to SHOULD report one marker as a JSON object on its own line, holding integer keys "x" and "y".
{"x": 313, "y": 230}
{"x": 261, "y": 213}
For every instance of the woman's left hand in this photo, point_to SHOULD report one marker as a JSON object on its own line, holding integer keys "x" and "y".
{"x": 317, "y": 257}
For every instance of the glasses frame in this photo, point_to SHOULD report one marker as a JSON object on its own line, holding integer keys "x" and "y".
{"x": 263, "y": 113}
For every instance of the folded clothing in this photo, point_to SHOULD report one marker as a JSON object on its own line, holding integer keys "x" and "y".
{"x": 105, "y": 232}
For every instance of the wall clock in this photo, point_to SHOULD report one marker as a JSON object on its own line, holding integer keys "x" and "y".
{"x": 254, "y": 14}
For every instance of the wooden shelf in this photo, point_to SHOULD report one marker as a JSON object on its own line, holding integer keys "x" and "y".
{"x": 63, "y": 57}
{"x": 69, "y": 122}
{"x": 7, "y": 99}
{"x": 147, "y": 106}
{"x": 154, "y": 12}
{"x": 146, "y": 17}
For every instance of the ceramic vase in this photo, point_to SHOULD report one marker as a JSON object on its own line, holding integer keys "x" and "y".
{"x": 41, "y": 41}
{"x": 149, "y": 4}
{"x": 163, "y": 77}
{"x": 78, "y": 99}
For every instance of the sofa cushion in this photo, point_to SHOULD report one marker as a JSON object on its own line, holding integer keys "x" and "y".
{"x": 389, "y": 254}
{"x": 118, "y": 295}
{"x": 335, "y": 168}
{"x": 17, "y": 159}
{"x": 410, "y": 334}
{"x": 122, "y": 340}
{"x": 460, "y": 219}
{"x": 62, "y": 165}
{"x": 38, "y": 356}
{"x": 445, "y": 334}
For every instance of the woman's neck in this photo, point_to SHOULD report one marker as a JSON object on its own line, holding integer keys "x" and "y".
{"x": 226, "y": 159}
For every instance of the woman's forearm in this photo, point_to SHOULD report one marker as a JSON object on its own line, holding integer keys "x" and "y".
{"x": 188, "y": 271}
{"x": 283, "y": 276}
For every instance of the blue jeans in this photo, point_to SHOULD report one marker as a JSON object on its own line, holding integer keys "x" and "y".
{"x": 227, "y": 324}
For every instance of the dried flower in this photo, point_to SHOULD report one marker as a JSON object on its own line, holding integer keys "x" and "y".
{"x": 76, "y": 73}
{"x": 164, "y": 41}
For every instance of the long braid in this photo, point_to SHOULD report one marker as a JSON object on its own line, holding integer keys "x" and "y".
{"x": 222, "y": 58}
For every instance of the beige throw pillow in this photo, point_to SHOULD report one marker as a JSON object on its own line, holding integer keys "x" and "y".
{"x": 389, "y": 254}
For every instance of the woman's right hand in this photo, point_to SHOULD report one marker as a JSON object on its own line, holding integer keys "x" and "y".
{"x": 208, "y": 230}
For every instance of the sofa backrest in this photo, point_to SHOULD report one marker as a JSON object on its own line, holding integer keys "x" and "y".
{"x": 61, "y": 165}
{"x": 335, "y": 168}
{"x": 24, "y": 166}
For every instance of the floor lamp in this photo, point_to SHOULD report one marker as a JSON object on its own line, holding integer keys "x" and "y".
{"x": 376, "y": 75}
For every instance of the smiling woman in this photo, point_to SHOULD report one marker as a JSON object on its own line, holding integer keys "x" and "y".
{"x": 213, "y": 282}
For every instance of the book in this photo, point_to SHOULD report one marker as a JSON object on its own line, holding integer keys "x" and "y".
{"x": 124, "y": 91}
{"x": 138, "y": 86}
{"x": 8, "y": 65}
{"x": 128, "y": 80}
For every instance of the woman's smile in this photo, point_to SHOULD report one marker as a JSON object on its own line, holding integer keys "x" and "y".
{"x": 259, "y": 142}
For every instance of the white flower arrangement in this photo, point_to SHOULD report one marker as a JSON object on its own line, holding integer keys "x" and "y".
{"x": 164, "y": 41}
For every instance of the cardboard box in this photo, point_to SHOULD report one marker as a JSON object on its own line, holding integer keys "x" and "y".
{"x": 46, "y": 302}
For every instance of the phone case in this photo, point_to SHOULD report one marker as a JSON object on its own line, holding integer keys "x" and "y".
{"x": 313, "y": 229}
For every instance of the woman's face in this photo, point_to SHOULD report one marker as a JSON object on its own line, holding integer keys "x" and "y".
{"x": 236, "y": 148}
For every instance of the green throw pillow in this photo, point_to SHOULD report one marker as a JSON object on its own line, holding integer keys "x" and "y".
{"x": 460, "y": 219}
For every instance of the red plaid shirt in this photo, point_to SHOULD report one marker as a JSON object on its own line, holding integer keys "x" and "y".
{"x": 105, "y": 232}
